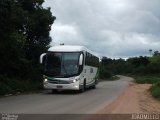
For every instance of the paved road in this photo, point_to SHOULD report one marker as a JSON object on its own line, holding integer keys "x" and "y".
{"x": 65, "y": 102}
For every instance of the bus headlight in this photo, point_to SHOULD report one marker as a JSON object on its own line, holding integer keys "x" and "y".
{"x": 45, "y": 80}
{"x": 73, "y": 80}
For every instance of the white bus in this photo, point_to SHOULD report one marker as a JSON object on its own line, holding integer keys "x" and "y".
{"x": 69, "y": 68}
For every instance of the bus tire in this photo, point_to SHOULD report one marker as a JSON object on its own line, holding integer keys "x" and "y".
{"x": 94, "y": 85}
{"x": 83, "y": 87}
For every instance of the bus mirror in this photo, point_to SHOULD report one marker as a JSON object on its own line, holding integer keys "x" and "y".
{"x": 81, "y": 59}
{"x": 42, "y": 58}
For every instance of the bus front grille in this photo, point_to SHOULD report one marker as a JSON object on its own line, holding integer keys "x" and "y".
{"x": 58, "y": 81}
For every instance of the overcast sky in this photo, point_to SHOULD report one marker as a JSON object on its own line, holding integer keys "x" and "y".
{"x": 111, "y": 28}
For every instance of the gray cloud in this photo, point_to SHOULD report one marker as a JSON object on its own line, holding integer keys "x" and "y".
{"x": 112, "y": 28}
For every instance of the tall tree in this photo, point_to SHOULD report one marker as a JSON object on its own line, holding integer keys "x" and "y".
{"x": 37, "y": 27}
{"x": 25, "y": 27}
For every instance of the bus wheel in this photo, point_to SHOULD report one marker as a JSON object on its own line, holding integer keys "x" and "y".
{"x": 83, "y": 87}
{"x": 94, "y": 85}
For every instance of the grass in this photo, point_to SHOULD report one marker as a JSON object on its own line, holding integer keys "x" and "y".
{"x": 153, "y": 79}
{"x": 14, "y": 86}
{"x": 155, "y": 90}
{"x": 150, "y": 79}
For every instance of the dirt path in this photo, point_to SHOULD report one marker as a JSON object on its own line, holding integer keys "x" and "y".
{"x": 136, "y": 99}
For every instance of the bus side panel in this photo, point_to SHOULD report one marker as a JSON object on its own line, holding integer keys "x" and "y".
{"x": 90, "y": 74}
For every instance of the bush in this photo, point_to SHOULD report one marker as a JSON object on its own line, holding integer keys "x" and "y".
{"x": 4, "y": 89}
{"x": 12, "y": 85}
{"x": 153, "y": 68}
{"x": 150, "y": 79}
{"x": 105, "y": 73}
{"x": 155, "y": 90}
{"x": 139, "y": 70}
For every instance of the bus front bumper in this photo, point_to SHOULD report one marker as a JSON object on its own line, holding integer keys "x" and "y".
{"x": 71, "y": 86}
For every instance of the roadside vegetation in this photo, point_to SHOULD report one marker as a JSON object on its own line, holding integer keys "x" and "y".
{"x": 24, "y": 30}
{"x": 17, "y": 86}
{"x": 155, "y": 90}
{"x": 153, "y": 79}
{"x": 143, "y": 69}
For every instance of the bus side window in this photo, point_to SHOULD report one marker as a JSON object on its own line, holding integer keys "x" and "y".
{"x": 91, "y": 70}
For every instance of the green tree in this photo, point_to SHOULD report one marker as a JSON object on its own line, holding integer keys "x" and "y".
{"x": 12, "y": 41}
{"x": 25, "y": 27}
{"x": 105, "y": 68}
{"x": 24, "y": 30}
{"x": 37, "y": 27}
{"x": 156, "y": 53}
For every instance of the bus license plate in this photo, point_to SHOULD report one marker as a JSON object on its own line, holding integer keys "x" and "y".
{"x": 59, "y": 86}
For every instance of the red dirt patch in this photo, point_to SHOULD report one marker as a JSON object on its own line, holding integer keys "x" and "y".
{"x": 136, "y": 99}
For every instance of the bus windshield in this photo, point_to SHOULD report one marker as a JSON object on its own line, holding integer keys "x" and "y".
{"x": 62, "y": 64}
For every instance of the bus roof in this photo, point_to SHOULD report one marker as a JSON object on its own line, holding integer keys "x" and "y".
{"x": 69, "y": 48}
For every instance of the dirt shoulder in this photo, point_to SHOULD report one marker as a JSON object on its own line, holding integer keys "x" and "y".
{"x": 136, "y": 99}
